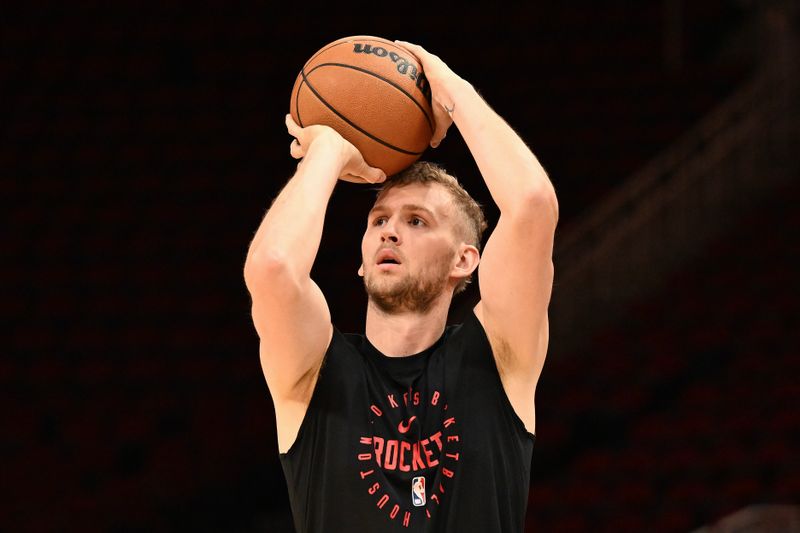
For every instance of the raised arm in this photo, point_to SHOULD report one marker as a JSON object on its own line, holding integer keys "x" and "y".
{"x": 516, "y": 270}
{"x": 289, "y": 311}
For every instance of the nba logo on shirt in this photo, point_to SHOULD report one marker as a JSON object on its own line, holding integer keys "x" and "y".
{"x": 418, "y": 491}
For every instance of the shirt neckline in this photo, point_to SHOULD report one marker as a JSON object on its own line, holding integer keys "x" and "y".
{"x": 404, "y": 362}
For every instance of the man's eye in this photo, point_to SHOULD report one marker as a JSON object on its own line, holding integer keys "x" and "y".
{"x": 379, "y": 221}
{"x": 416, "y": 221}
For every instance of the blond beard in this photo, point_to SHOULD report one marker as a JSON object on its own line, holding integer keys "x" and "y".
{"x": 415, "y": 294}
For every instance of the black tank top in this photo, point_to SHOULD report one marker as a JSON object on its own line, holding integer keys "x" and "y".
{"x": 427, "y": 442}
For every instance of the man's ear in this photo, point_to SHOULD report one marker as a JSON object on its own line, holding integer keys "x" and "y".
{"x": 361, "y": 270}
{"x": 468, "y": 259}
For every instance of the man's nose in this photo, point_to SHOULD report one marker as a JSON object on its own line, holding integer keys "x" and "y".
{"x": 389, "y": 234}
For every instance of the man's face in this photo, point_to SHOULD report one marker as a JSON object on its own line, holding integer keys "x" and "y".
{"x": 409, "y": 248}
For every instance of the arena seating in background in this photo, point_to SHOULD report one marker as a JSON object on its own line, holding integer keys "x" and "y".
{"x": 690, "y": 403}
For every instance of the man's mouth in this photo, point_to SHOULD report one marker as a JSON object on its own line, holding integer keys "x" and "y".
{"x": 387, "y": 257}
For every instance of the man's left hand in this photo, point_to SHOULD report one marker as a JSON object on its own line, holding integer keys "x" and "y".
{"x": 443, "y": 82}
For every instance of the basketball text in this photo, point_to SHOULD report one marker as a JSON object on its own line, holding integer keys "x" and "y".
{"x": 403, "y": 66}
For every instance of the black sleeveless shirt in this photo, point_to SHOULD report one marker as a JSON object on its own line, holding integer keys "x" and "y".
{"x": 427, "y": 442}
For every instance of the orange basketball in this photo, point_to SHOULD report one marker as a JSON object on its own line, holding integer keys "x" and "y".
{"x": 373, "y": 93}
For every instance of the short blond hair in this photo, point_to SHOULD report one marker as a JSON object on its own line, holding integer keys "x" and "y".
{"x": 470, "y": 211}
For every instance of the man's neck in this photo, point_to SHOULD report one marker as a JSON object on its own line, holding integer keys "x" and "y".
{"x": 406, "y": 333}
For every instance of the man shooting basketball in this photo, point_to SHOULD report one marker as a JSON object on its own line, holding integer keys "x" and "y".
{"x": 415, "y": 425}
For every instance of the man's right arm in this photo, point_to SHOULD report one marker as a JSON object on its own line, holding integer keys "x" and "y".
{"x": 289, "y": 311}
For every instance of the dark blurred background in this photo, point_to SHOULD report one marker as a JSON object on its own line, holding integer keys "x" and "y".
{"x": 142, "y": 143}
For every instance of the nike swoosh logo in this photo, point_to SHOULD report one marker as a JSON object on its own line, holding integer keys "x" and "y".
{"x": 404, "y": 428}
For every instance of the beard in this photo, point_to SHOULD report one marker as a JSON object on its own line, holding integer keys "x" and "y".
{"x": 415, "y": 294}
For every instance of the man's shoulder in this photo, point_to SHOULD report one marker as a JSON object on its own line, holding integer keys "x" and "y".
{"x": 467, "y": 335}
{"x": 468, "y": 325}
{"x": 346, "y": 341}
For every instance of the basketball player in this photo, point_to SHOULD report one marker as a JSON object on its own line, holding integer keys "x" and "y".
{"x": 416, "y": 425}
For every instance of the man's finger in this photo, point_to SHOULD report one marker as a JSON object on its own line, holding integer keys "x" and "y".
{"x": 296, "y": 150}
{"x": 291, "y": 126}
{"x": 443, "y": 120}
{"x": 410, "y": 46}
{"x": 415, "y": 49}
{"x": 372, "y": 174}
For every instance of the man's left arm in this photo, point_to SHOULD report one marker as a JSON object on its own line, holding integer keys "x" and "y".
{"x": 516, "y": 269}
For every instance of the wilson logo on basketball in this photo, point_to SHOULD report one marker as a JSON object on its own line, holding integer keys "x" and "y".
{"x": 403, "y": 66}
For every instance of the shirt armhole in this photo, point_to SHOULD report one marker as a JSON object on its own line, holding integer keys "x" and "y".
{"x": 486, "y": 347}
{"x": 336, "y": 336}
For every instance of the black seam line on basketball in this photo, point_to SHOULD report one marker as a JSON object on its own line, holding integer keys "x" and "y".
{"x": 332, "y": 45}
{"x": 368, "y": 134}
{"x": 297, "y": 103}
{"x": 390, "y": 82}
{"x": 328, "y": 47}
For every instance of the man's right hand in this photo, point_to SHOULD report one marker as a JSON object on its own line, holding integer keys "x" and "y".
{"x": 353, "y": 167}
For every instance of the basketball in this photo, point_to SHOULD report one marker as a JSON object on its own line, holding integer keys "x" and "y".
{"x": 371, "y": 91}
